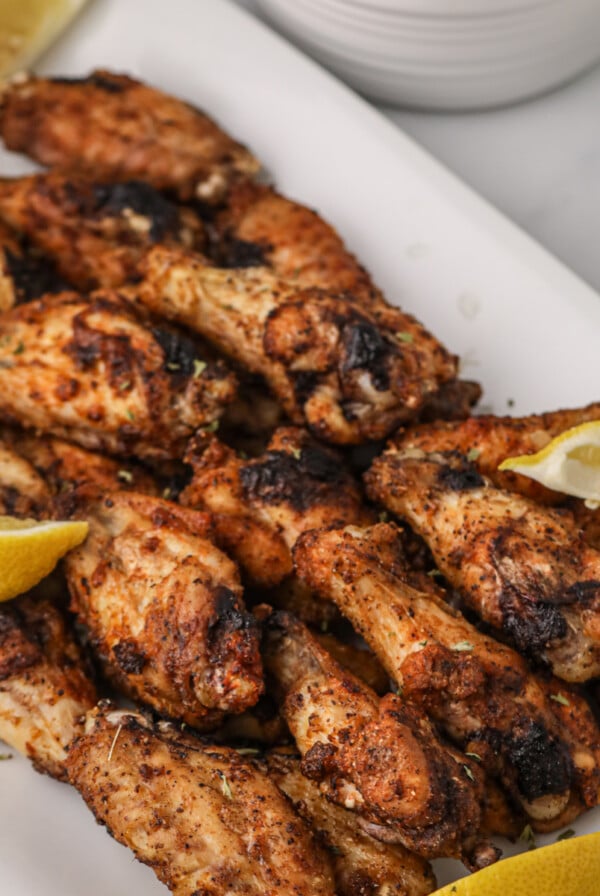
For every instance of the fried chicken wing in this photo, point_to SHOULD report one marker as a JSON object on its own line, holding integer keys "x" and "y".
{"x": 163, "y": 606}
{"x": 23, "y": 492}
{"x": 206, "y": 820}
{"x": 350, "y": 373}
{"x": 524, "y": 568}
{"x": 113, "y": 128}
{"x": 381, "y": 758}
{"x": 95, "y": 232}
{"x": 362, "y": 865}
{"x": 480, "y": 692}
{"x": 44, "y": 688}
{"x": 88, "y": 370}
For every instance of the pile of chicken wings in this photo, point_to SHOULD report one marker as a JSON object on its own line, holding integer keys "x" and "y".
{"x": 314, "y": 638}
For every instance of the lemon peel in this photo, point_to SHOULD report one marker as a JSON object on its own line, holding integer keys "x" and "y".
{"x": 28, "y": 27}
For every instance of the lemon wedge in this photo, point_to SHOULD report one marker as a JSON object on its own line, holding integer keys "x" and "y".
{"x": 570, "y": 463}
{"x": 28, "y": 27}
{"x": 29, "y": 550}
{"x": 568, "y": 868}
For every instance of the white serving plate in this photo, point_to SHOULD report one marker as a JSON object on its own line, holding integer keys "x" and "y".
{"x": 525, "y": 326}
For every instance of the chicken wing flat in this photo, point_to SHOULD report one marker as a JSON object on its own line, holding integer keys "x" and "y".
{"x": 23, "y": 492}
{"x": 163, "y": 606}
{"x": 95, "y": 233}
{"x": 524, "y": 568}
{"x": 88, "y": 370}
{"x": 380, "y": 758}
{"x": 206, "y": 821}
{"x": 348, "y": 372}
{"x": 44, "y": 688}
{"x": 537, "y": 735}
{"x": 113, "y": 128}
{"x": 361, "y": 864}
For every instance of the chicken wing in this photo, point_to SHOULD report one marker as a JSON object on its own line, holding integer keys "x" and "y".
{"x": 90, "y": 371}
{"x": 350, "y": 373}
{"x": 163, "y": 606}
{"x": 94, "y": 232}
{"x": 23, "y": 492}
{"x": 206, "y": 820}
{"x": 538, "y": 736}
{"x": 113, "y": 128}
{"x": 381, "y": 758}
{"x": 363, "y": 866}
{"x": 524, "y": 568}
{"x": 44, "y": 688}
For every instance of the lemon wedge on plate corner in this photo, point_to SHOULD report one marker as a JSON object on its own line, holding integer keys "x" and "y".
{"x": 29, "y": 551}
{"x": 568, "y": 868}
{"x": 570, "y": 463}
{"x": 28, "y": 27}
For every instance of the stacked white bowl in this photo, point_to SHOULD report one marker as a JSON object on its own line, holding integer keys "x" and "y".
{"x": 445, "y": 54}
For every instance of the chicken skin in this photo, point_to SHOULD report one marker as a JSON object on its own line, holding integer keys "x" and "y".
{"x": 535, "y": 734}
{"x": 163, "y": 606}
{"x": 23, "y": 492}
{"x": 88, "y": 370}
{"x": 95, "y": 233}
{"x": 363, "y": 866}
{"x": 524, "y": 568}
{"x": 203, "y": 818}
{"x": 44, "y": 688}
{"x": 381, "y": 758}
{"x": 350, "y": 373}
{"x": 110, "y": 127}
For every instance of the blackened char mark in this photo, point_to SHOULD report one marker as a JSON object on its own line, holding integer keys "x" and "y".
{"x": 318, "y": 761}
{"x": 304, "y": 382}
{"x": 297, "y": 481}
{"x": 32, "y": 277}
{"x": 229, "y": 618}
{"x": 366, "y": 349}
{"x": 94, "y": 80}
{"x": 129, "y": 658}
{"x": 542, "y": 762}
{"x": 180, "y": 352}
{"x": 141, "y": 198}
{"x": 581, "y": 592}
{"x": 459, "y": 475}
{"x": 17, "y": 653}
{"x": 236, "y": 253}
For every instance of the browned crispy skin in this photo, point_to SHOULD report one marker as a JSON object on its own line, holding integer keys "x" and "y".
{"x": 95, "y": 232}
{"x": 524, "y": 568}
{"x": 453, "y": 401}
{"x": 207, "y": 821}
{"x": 113, "y": 128}
{"x": 351, "y": 373}
{"x": 44, "y": 689}
{"x": 545, "y": 752}
{"x": 163, "y": 607}
{"x": 361, "y": 662}
{"x": 381, "y": 758}
{"x": 23, "y": 492}
{"x": 363, "y": 866}
{"x": 88, "y": 370}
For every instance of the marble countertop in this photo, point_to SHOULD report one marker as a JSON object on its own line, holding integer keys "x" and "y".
{"x": 538, "y": 162}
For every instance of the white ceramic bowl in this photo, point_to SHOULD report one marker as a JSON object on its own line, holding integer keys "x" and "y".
{"x": 446, "y": 54}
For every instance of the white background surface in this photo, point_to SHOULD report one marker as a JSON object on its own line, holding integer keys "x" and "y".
{"x": 538, "y": 162}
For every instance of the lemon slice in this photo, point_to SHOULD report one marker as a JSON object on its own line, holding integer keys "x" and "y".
{"x": 570, "y": 463}
{"x": 28, "y": 27}
{"x": 568, "y": 868}
{"x": 29, "y": 550}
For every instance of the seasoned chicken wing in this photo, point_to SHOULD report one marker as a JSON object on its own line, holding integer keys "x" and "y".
{"x": 381, "y": 758}
{"x": 113, "y": 128}
{"x": 524, "y": 568}
{"x": 88, "y": 370}
{"x": 23, "y": 492}
{"x": 207, "y": 821}
{"x": 349, "y": 372}
{"x": 363, "y": 866}
{"x": 537, "y": 735}
{"x": 44, "y": 688}
{"x": 95, "y": 233}
{"x": 163, "y": 606}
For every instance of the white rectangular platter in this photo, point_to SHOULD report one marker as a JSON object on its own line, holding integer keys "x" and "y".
{"x": 525, "y": 327}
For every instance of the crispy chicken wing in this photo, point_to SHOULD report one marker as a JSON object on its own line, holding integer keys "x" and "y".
{"x": 113, "y": 128}
{"x": 349, "y": 372}
{"x": 381, "y": 758}
{"x": 163, "y": 606}
{"x": 23, "y": 492}
{"x": 44, "y": 688}
{"x": 363, "y": 866}
{"x": 538, "y": 736}
{"x": 207, "y": 821}
{"x": 524, "y": 568}
{"x": 90, "y": 371}
{"x": 94, "y": 232}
